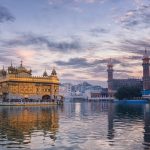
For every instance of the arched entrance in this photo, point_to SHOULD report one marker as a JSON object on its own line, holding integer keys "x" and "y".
{"x": 45, "y": 98}
{"x": 5, "y": 97}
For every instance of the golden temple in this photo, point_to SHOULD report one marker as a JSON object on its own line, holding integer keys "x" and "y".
{"x": 18, "y": 83}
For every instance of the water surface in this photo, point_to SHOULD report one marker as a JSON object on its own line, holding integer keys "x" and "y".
{"x": 76, "y": 126}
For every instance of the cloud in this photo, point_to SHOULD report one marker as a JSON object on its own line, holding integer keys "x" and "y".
{"x": 44, "y": 42}
{"x": 4, "y": 60}
{"x": 89, "y": 69}
{"x": 98, "y": 67}
{"x": 25, "y": 54}
{"x": 66, "y": 75}
{"x": 6, "y": 56}
{"x": 129, "y": 19}
{"x": 90, "y": 1}
{"x": 5, "y": 15}
{"x": 51, "y": 2}
{"x": 138, "y": 3}
{"x": 98, "y": 31}
{"x": 139, "y": 17}
{"x": 135, "y": 57}
{"x": 123, "y": 71}
{"x": 84, "y": 63}
{"x": 75, "y": 62}
{"x": 135, "y": 46}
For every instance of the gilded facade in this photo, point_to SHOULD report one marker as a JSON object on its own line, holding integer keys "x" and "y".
{"x": 18, "y": 83}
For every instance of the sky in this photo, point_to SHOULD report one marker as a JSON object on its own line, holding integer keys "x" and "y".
{"x": 77, "y": 37}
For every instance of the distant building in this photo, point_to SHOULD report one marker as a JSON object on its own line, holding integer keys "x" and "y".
{"x": 89, "y": 91}
{"x": 65, "y": 89}
{"x": 81, "y": 87}
{"x": 18, "y": 83}
{"x": 94, "y": 93}
{"x": 115, "y": 84}
{"x": 83, "y": 90}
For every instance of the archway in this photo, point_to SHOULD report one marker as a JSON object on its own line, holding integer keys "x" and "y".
{"x": 45, "y": 97}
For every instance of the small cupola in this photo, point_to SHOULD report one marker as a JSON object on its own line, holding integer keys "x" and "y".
{"x": 45, "y": 73}
{"x": 54, "y": 73}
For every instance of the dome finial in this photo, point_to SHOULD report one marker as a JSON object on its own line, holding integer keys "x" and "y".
{"x": 11, "y": 63}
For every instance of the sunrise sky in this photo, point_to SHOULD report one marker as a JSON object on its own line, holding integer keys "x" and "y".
{"x": 76, "y": 36}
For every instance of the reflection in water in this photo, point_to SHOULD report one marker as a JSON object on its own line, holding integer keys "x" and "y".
{"x": 21, "y": 125}
{"x": 147, "y": 126}
{"x": 110, "y": 122}
{"x": 85, "y": 125}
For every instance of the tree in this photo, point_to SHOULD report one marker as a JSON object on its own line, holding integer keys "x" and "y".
{"x": 128, "y": 92}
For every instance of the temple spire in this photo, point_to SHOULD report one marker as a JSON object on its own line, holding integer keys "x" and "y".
{"x": 21, "y": 63}
{"x": 45, "y": 73}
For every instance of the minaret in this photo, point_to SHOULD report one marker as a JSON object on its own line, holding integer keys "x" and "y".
{"x": 110, "y": 77}
{"x": 110, "y": 70}
{"x": 145, "y": 70}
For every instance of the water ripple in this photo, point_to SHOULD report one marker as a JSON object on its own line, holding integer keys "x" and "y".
{"x": 76, "y": 126}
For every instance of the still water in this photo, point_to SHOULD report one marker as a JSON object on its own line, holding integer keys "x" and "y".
{"x": 76, "y": 126}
